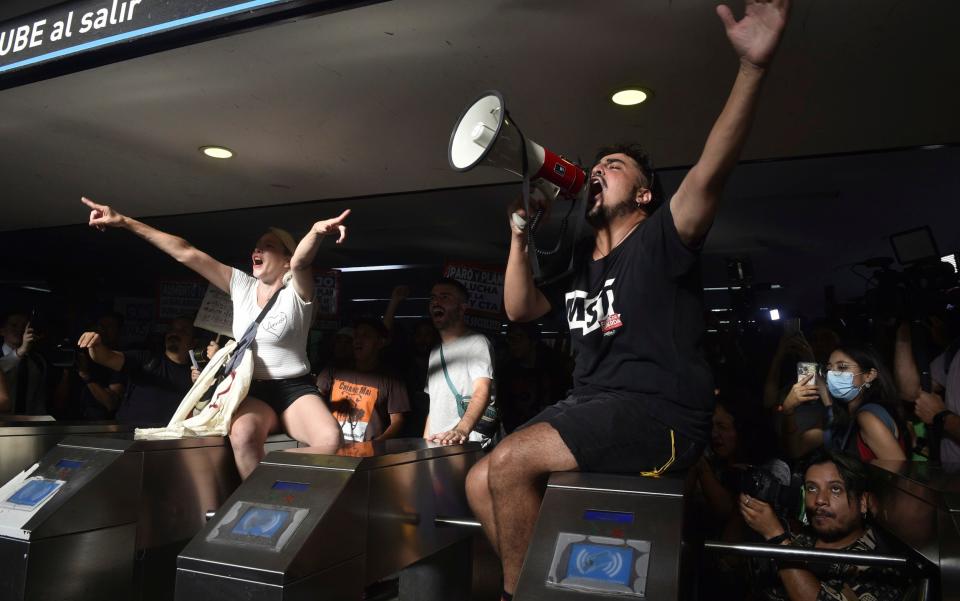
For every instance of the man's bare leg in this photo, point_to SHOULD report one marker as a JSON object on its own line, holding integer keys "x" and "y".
{"x": 517, "y": 472}
{"x": 478, "y": 495}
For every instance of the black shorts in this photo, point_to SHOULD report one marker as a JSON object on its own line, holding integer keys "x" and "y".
{"x": 609, "y": 433}
{"x": 280, "y": 394}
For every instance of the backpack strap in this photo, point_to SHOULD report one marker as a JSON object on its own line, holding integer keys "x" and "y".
{"x": 250, "y": 334}
{"x": 461, "y": 404}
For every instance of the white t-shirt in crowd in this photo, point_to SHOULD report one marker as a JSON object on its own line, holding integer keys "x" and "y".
{"x": 468, "y": 358}
{"x": 280, "y": 348}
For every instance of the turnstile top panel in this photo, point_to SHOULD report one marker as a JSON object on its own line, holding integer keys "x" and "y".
{"x": 52, "y": 428}
{"x": 668, "y": 485}
{"x": 125, "y": 443}
{"x": 360, "y": 456}
{"x": 939, "y": 485}
{"x": 19, "y": 419}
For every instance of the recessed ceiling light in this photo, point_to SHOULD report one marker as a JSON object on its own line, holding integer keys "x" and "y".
{"x": 630, "y": 96}
{"x": 216, "y": 152}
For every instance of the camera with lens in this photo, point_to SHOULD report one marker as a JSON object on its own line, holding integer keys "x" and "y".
{"x": 771, "y": 482}
{"x": 919, "y": 291}
{"x": 925, "y": 286}
{"x": 64, "y": 354}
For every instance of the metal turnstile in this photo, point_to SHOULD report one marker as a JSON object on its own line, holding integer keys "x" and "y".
{"x": 321, "y": 527}
{"x": 25, "y": 439}
{"x": 603, "y": 536}
{"x": 919, "y": 503}
{"x": 104, "y": 518}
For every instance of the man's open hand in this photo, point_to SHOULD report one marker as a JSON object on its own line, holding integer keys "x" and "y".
{"x": 755, "y": 37}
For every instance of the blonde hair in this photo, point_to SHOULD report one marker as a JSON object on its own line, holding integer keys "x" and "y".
{"x": 285, "y": 238}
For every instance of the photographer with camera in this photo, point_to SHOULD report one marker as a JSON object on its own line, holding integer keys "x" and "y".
{"x": 836, "y": 500}
{"x": 24, "y": 369}
{"x": 720, "y": 475}
{"x": 88, "y": 390}
{"x": 861, "y": 409}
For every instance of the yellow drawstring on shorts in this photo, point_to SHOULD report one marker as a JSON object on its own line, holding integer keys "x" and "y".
{"x": 673, "y": 457}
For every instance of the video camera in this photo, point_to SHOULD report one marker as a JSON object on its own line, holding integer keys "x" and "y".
{"x": 925, "y": 286}
{"x": 771, "y": 482}
{"x": 64, "y": 354}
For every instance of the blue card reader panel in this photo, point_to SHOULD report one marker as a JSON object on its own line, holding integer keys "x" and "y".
{"x": 34, "y": 492}
{"x": 600, "y": 564}
{"x": 603, "y": 563}
{"x": 261, "y": 522}
{"x": 258, "y": 525}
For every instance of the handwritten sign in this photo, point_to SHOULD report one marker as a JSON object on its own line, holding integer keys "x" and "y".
{"x": 216, "y": 312}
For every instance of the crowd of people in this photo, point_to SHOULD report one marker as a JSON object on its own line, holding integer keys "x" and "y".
{"x": 627, "y": 388}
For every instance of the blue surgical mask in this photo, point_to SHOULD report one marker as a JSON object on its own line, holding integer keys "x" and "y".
{"x": 840, "y": 385}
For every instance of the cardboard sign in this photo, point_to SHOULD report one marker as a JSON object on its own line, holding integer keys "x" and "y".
{"x": 178, "y": 299}
{"x": 216, "y": 312}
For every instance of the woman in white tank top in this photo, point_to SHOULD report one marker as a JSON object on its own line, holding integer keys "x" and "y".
{"x": 289, "y": 400}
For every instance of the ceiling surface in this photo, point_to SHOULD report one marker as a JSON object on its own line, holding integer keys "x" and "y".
{"x": 355, "y": 109}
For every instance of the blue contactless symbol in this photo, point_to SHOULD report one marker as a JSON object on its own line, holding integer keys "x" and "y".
{"x": 33, "y": 493}
{"x": 261, "y": 522}
{"x": 600, "y": 562}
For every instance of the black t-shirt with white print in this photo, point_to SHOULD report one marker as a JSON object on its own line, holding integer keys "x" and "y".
{"x": 636, "y": 325}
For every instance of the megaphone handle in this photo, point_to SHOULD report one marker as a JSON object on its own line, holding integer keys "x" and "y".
{"x": 531, "y": 247}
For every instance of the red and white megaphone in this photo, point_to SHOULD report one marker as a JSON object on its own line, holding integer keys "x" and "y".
{"x": 484, "y": 135}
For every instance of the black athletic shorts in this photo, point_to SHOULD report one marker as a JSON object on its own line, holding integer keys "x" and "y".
{"x": 280, "y": 394}
{"x": 610, "y": 433}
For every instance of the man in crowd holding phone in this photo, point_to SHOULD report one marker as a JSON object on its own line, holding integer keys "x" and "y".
{"x": 157, "y": 381}
{"x": 24, "y": 370}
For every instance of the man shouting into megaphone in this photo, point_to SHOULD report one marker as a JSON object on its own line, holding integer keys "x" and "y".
{"x": 642, "y": 396}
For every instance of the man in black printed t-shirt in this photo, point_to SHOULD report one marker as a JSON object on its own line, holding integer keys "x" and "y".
{"x": 642, "y": 393}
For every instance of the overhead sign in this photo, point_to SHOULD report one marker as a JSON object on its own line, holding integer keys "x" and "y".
{"x": 72, "y": 29}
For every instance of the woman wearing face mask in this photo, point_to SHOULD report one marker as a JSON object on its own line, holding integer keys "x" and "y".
{"x": 282, "y": 394}
{"x": 860, "y": 402}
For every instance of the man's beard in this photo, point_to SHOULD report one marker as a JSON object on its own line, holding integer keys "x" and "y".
{"x": 599, "y": 216}
{"x": 172, "y": 344}
{"x": 834, "y": 532}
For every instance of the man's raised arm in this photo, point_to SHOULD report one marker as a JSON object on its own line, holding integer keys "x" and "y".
{"x": 522, "y": 300}
{"x": 755, "y": 39}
